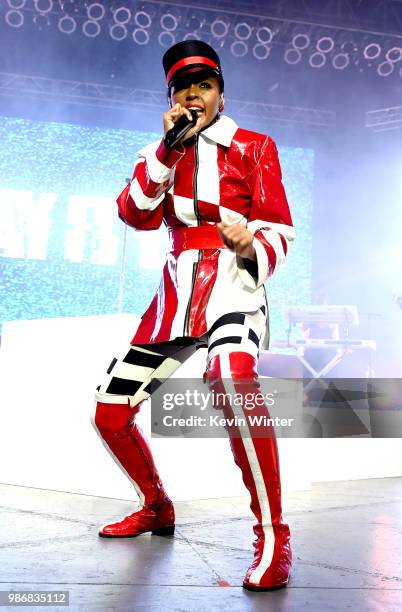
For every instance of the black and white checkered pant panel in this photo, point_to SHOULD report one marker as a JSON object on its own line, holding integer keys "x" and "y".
{"x": 129, "y": 378}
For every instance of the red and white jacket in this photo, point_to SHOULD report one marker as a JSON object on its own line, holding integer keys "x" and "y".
{"x": 228, "y": 174}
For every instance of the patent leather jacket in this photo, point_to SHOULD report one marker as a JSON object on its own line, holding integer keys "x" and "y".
{"x": 223, "y": 174}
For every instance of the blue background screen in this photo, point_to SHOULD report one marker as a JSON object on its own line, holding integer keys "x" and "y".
{"x": 62, "y": 243}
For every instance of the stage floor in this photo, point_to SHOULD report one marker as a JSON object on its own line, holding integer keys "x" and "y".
{"x": 347, "y": 550}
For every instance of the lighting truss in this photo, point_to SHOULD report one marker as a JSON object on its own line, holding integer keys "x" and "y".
{"x": 81, "y": 93}
{"x": 365, "y": 16}
{"x": 280, "y": 114}
{"x": 135, "y": 99}
{"x": 384, "y": 119}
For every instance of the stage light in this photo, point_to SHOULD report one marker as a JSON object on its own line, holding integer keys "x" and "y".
{"x": 118, "y": 31}
{"x": 239, "y": 48}
{"x": 340, "y": 61}
{"x": 169, "y": 22}
{"x": 16, "y": 4}
{"x": 166, "y": 39}
{"x": 264, "y": 35}
{"x": 67, "y": 24}
{"x": 95, "y": 11}
{"x": 317, "y": 59}
{"x": 301, "y": 41}
{"x": 325, "y": 44}
{"x": 67, "y": 6}
{"x": 194, "y": 23}
{"x": 385, "y": 69}
{"x": 15, "y": 19}
{"x": 43, "y": 6}
{"x": 394, "y": 55}
{"x": 243, "y": 31}
{"x": 219, "y": 28}
{"x": 372, "y": 51}
{"x": 140, "y": 36}
{"x": 292, "y": 56}
{"x": 348, "y": 46}
{"x": 91, "y": 28}
{"x": 41, "y": 20}
{"x": 191, "y": 36}
{"x": 261, "y": 51}
{"x": 122, "y": 15}
{"x": 142, "y": 19}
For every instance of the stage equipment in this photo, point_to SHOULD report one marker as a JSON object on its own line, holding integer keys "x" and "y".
{"x": 136, "y": 99}
{"x": 316, "y": 35}
{"x": 327, "y": 407}
{"x": 343, "y": 347}
{"x": 341, "y": 315}
{"x": 384, "y": 119}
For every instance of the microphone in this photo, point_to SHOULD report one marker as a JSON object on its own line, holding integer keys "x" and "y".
{"x": 180, "y": 129}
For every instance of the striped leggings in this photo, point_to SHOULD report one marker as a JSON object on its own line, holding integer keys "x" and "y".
{"x": 129, "y": 377}
{"x": 233, "y": 347}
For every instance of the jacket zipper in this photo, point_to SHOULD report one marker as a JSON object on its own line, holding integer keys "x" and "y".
{"x": 200, "y": 255}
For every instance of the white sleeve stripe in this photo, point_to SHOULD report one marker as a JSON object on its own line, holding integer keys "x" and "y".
{"x": 274, "y": 240}
{"x": 141, "y": 201}
{"x": 158, "y": 172}
{"x": 287, "y": 231}
{"x": 262, "y": 261}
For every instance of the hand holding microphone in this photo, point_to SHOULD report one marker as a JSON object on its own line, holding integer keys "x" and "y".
{"x": 179, "y": 124}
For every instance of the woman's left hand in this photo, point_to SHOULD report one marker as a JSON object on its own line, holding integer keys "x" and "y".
{"x": 238, "y": 239}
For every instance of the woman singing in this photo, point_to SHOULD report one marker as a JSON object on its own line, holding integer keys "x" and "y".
{"x": 219, "y": 192}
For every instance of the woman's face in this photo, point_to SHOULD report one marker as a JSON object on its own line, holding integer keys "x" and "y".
{"x": 204, "y": 96}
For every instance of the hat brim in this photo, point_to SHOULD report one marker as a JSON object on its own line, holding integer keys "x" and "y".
{"x": 194, "y": 74}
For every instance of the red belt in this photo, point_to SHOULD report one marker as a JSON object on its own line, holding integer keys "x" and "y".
{"x": 201, "y": 237}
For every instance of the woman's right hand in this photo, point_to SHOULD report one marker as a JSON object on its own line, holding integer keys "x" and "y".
{"x": 173, "y": 115}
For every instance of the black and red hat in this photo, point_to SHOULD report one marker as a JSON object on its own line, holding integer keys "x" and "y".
{"x": 191, "y": 56}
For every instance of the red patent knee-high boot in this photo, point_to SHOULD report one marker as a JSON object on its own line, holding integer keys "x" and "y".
{"x": 116, "y": 425}
{"x": 257, "y": 457}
